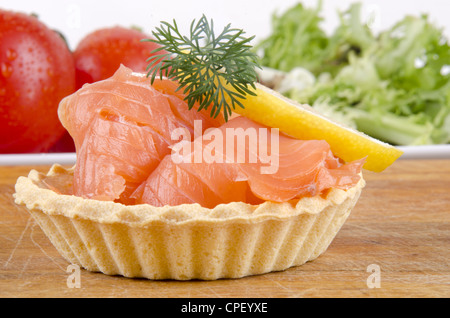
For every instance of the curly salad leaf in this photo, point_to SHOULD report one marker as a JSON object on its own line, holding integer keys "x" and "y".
{"x": 394, "y": 86}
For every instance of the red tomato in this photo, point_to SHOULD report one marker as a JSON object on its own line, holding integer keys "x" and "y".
{"x": 100, "y": 53}
{"x": 36, "y": 71}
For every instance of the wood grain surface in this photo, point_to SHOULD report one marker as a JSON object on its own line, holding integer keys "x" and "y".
{"x": 401, "y": 226}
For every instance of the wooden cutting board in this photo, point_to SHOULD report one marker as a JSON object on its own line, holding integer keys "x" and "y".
{"x": 396, "y": 243}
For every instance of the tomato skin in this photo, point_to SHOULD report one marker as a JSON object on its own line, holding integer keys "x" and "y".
{"x": 36, "y": 71}
{"x": 100, "y": 53}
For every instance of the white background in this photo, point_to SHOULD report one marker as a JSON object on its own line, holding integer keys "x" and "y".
{"x": 75, "y": 19}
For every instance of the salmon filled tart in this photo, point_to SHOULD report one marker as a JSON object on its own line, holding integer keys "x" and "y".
{"x": 173, "y": 184}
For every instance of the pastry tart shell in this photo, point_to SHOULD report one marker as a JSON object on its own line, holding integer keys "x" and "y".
{"x": 182, "y": 242}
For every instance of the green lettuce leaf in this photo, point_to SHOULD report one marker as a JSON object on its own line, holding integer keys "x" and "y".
{"x": 394, "y": 86}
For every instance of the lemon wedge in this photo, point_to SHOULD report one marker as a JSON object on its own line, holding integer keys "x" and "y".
{"x": 303, "y": 122}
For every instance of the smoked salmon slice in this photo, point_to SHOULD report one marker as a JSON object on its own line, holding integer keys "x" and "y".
{"x": 298, "y": 168}
{"x": 138, "y": 142}
{"x": 122, "y": 130}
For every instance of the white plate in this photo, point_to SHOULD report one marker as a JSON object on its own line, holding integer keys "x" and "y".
{"x": 410, "y": 152}
{"x": 426, "y": 152}
{"x": 68, "y": 158}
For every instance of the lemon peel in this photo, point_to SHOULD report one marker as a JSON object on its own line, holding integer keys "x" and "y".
{"x": 301, "y": 121}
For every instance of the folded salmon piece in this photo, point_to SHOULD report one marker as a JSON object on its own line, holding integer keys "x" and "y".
{"x": 221, "y": 167}
{"x": 122, "y": 130}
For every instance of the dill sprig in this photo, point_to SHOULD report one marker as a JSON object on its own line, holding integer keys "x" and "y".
{"x": 215, "y": 71}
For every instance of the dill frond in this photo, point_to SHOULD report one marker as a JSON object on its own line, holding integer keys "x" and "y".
{"x": 206, "y": 65}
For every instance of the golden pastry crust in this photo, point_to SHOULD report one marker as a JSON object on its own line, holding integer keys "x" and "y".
{"x": 186, "y": 241}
